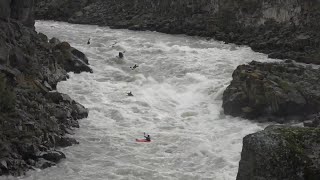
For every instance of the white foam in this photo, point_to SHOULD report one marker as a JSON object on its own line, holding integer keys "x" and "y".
{"x": 177, "y": 91}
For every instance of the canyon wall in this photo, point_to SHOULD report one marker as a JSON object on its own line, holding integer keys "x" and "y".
{"x": 281, "y": 28}
{"x": 34, "y": 119}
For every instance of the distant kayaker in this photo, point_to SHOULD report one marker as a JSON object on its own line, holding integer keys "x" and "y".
{"x": 120, "y": 55}
{"x": 130, "y": 93}
{"x": 134, "y": 67}
{"x": 148, "y": 138}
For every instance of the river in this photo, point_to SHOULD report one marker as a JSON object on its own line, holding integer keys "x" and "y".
{"x": 177, "y": 96}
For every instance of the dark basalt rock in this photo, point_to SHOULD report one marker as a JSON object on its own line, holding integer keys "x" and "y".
{"x": 53, "y": 156}
{"x": 272, "y": 92}
{"x": 33, "y": 120}
{"x": 71, "y": 58}
{"x": 42, "y": 163}
{"x": 291, "y": 32}
{"x": 281, "y": 153}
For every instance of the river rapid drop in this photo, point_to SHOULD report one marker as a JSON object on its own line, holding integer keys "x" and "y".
{"x": 177, "y": 90}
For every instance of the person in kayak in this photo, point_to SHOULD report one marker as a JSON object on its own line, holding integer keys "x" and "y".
{"x": 148, "y": 138}
{"x": 120, "y": 55}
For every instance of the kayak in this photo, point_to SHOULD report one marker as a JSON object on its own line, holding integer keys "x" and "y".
{"x": 142, "y": 140}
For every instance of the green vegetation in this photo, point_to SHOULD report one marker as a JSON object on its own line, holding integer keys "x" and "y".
{"x": 7, "y": 96}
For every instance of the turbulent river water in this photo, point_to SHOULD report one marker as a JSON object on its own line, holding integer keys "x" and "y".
{"x": 177, "y": 90}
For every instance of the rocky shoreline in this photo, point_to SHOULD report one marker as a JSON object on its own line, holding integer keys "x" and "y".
{"x": 281, "y": 29}
{"x": 34, "y": 118}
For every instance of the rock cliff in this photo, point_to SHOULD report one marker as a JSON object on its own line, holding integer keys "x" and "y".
{"x": 281, "y": 28}
{"x": 33, "y": 119}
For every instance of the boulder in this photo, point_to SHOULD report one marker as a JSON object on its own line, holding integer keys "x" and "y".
{"x": 80, "y": 55}
{"x": 65, "y": 141}
{"x": 53, "y": 156}
{"x": 281, "y": 153}
{"x": 272, "y": 92}
{"x": 79, "y": 111}
{"x": 54, "y": 41}
{"x": 71, "y": 58}
{"x": 42, "y": 163}
{"x": 57, "y": 97}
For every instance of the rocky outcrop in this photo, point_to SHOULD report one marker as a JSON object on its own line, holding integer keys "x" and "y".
{"x": 34, "y": 120}
{"x": 281, "y": 153}
{"x": 273, "y": 92}
{"x": 282, "y": 29}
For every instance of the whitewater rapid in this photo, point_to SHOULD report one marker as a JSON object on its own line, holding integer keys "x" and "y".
{"x": 177, "y": 90}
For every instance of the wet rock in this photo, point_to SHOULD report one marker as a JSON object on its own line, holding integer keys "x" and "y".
{"x": 54, "y": 41}
{"x": 279, "y": 90}
{"x": 65, "y": 141}
{"x": 43, "y": 37}
{"x": 80, "y": 55}
{"x": 314, "y": 122}
{"x": 71, "y": 59}
{"x": 79, "y": 111}
{"x": 279, "y": 153}
{"x": 53, "y": 156}
{"x": 42, "y": 163}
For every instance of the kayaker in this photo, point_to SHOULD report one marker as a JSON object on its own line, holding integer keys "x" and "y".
{"x": 148, "y": 138}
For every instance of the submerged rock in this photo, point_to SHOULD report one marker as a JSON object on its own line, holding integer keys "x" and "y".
{"x": 281, "y": 153}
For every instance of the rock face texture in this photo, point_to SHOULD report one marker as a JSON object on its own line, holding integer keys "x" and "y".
{"x": 273, "y": 92}
{"x": 281, "y": 28}
{"x": 33, "y": 119}
{"x": 281, "y": 153}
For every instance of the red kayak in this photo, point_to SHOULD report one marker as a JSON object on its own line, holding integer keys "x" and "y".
{"x": 142, "y": 140}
